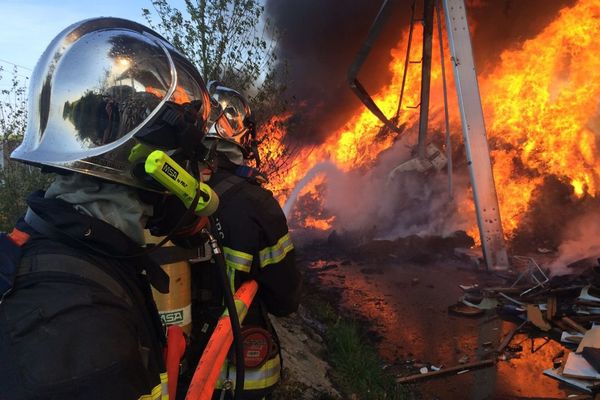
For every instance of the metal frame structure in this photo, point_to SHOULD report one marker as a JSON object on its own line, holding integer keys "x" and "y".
{"x": 476, "y": 144}
{"x": 473, "y": 124}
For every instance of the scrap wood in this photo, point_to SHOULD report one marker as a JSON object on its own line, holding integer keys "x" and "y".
{"x": 505, "y": 289}
{"x": 509, "y": 337}
{"x": 587, "y": 303}
{"x": 586, "y": 296}
{"x": 459, "y": 369}
{"x": 590, "y": 339}
{"x": 585, "y": 318}
{"x": 577, "y": 366}
{"x": 551, "y": 308}
{"x": 559, "y": 291}
{"x": 572, "y": 338}
{"x": 520, "y": 303}
{"x": 561, "y": 325}
{"x": 464, "y": 310}
{"x": 534, "y": 315}
{"x": 577, "y": 383}
{"x": 574, "y": 324}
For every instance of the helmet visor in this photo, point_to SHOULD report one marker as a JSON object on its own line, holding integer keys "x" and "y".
{"x": 105, "y": 89}
{"x": 231, "y": 113}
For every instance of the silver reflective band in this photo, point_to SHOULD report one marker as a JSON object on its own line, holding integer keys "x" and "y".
{"x": 238, "y": 260}
{"x": 277, "y": 252}
{"x": 254, "y": 378}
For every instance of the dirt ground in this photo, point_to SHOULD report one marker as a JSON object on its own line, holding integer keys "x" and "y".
{"x": 405, "y": 307}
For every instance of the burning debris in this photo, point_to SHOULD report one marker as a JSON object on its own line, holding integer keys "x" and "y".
{"x": 540, "y": 99}
{"x": 541, "y": 119}
{"x": 564, "y": 309}
{"x": 417, "y": 249}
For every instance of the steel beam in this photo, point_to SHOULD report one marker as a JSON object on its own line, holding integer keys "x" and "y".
{"x": 425, "y": 75}
{"x": 476, "y": 144}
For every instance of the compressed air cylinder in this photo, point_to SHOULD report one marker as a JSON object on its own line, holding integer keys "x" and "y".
{"x": 175, "y": 307}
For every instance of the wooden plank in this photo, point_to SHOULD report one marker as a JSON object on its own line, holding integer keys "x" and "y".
{"x": 446, "y": 371}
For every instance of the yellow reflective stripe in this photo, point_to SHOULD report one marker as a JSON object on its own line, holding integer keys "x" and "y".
{"x": 160, "y": 391}
{"x": 241, "y": 309}
{"x": 164, "y": 382}
{"x": 237, "y": 259}
{"x": 254, "y": 378}
{"x": 277, "y": 252}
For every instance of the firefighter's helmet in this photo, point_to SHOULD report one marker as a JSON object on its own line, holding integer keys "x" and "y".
{"x": 100, "y": 96}
{"x": 231, "y": 119}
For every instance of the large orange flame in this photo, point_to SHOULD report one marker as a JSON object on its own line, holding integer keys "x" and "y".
{"x": 540, "y": 104}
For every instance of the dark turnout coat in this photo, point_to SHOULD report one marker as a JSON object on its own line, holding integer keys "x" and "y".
{"x": 256, "y": 244}
{"x": 80, "y": 325}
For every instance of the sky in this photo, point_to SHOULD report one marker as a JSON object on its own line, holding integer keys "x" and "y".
{"x": 28, "y": 26}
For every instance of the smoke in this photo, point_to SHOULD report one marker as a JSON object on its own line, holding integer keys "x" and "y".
{"x": 319, "y": 42}
{"x": 497, "y": 25}
{"x": 322, "y": 167}
{"x": 581, "y": 241}
{"x": 320, "y": 39}
{"x": 412, "y": 203}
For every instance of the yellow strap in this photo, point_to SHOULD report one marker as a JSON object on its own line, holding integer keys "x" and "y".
{"x": 160, "y": 391}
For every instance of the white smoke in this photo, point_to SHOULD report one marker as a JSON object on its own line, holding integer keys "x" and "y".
{"x": 322, "y": 167}
{"x": 412, "y": 203}
{"x": 581, "y": 240}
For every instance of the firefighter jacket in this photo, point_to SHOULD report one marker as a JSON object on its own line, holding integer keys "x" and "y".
{"x": 78, "y": 325}
{"x": 253, "y": 233}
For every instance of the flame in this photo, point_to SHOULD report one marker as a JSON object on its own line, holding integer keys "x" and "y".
{"x": 540, "y": 104}
{"x": 356, "y": 144}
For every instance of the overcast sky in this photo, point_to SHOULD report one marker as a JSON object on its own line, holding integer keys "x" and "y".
{"x": 28, "y": 26}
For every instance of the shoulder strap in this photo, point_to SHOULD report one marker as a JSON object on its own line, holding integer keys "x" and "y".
{"x": 71, "y": 265}
{"x": 158, "y": 278}
{"x": 10, "y": 256}
{"x": 227, "y": 184}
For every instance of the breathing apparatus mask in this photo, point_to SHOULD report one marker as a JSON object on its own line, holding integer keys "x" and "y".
{"x": 231, "y": 120}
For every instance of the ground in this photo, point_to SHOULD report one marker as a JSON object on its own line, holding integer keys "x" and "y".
{"x": 404, "y": 305}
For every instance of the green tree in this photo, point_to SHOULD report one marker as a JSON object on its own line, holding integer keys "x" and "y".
{"x": 16, "y": 180}
{"x": 228, "y": 40}
{"x": 233, "y": 42}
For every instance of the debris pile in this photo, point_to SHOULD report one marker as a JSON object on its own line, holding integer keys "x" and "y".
{"x": 564, "y": 308}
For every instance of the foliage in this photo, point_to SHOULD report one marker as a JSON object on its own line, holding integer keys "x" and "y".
{"x": 13, "y": 109}
{"x": 228, "y": 40}
{"x": 16, "y": 180}
{"x": 356, "y": 365}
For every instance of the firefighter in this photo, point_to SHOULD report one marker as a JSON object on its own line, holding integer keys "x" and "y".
{"x": 77, "y": 319}
{"x": 253, "y": 233}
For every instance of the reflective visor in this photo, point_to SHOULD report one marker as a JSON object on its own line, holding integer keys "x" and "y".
{"x": 98, "y": 83}
{"x": 229, "y": 112}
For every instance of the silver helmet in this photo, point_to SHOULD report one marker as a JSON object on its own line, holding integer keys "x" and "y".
{"x": 98, "y": 94}
{"x": 231, "y": 118}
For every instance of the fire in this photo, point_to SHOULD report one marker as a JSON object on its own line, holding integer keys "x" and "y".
{"x": 354, "y": 145}
{"x": 540, "y": 104}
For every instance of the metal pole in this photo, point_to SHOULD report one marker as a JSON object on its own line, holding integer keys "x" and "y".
{"x": 446, "y": 117}
{"x": 406, "y": 60}
{"x": 425, "y": 75}
{"x": 473, "y": 124}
